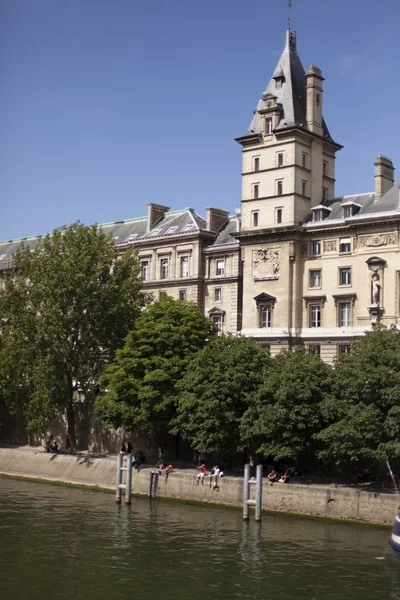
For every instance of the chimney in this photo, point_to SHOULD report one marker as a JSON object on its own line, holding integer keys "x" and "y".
{"x": 155, "y": 212}
{"x": 314, "y": 81}
{"x": 216, "y": 219}
{"x": 384, "y": 176}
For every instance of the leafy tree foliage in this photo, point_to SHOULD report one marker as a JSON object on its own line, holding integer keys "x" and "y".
{"x": 362, "y": 415}
{"x": 65, "y": 308}
{"x": 284, "y": 414}
{"x": 141, "y": 382}
{"x": 215, "y": 392}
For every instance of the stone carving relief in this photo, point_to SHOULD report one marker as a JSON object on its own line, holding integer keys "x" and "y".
{"x": 330, "y": 245}
{"x": 380, "y": 239}
{"x": 266, "y": 264}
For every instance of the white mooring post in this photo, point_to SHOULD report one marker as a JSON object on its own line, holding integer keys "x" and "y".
{"x": 128, "y": 479}
{"x": 247, "y": 482}
{"x": 259, "y": 492}
{"x": 120, "y": 485}
{"x": 246, "y": 492}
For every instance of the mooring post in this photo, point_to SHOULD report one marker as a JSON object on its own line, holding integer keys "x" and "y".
{"x": 151, "y": 484}
{"x": 128, "y": 479}
{"x": 259, "y": 476}
{"x": 156, "y": 478}
{"x": 246, "y": 489}
{"x": 119, "y": 479}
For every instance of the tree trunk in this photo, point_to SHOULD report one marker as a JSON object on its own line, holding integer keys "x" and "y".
{"x": 71, "y": 417}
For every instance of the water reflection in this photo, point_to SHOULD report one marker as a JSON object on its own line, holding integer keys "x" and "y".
{"x": 79, "y": 544}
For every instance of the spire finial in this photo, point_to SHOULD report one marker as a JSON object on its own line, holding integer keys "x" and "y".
{"x": 289, "y": 12}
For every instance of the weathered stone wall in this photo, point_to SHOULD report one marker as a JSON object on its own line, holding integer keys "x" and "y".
{"x": 324, "y": 501}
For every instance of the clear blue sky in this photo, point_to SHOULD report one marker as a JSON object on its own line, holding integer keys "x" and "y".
{"x": 107, "y": 105}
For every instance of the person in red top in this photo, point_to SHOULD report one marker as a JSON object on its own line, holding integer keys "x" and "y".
{"x": 202, "y": 473}
{"x": 67, "y": 444}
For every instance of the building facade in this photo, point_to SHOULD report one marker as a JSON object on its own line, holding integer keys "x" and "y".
{"x": 296, "y": 264}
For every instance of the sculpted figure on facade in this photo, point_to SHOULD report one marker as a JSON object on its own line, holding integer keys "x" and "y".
{"x": 375, "y": 288}
{"x": 266, "y": 264}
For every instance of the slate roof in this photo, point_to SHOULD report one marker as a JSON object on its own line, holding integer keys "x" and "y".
{"x": 291, "y": 96}
{"x": 388, "y": 205}
{"x": 173, "y": 223}
{"x": 225, "y": 237}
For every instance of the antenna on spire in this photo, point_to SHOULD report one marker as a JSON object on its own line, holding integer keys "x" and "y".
{"x": 289, "y": 12}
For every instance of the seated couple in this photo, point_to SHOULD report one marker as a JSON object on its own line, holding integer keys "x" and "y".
{"x": 273, "y": 477}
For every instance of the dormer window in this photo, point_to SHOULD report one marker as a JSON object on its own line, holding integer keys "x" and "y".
{"x": 320, "y": 212}
{"x": 279, "y": 79}
{"x": 350, "y": 209}
{"x": 268, "y": 126}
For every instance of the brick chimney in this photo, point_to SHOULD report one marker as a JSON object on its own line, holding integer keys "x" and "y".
{"x": 384, "y": 176}
{"x": 155, "y": 212}
{"x": 216, "y": 218}
{"x": 314, "y": 81}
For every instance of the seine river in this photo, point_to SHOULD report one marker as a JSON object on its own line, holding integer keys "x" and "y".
{"x": 58, "y": 542}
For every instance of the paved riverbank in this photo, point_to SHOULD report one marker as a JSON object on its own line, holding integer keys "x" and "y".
{"x": 100, "y": 471}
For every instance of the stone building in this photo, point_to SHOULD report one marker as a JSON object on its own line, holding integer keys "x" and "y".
{"x": 297, "y": 264}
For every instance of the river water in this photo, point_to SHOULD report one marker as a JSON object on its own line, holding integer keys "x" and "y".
{"x": 59, "y": 542}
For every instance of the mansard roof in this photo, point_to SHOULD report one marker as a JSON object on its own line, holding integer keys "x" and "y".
{"x": 369, "y": 208}
{"x": 225, "y": 237}
{"x": 180, "y": 223}
{"x": 291, "y": 97}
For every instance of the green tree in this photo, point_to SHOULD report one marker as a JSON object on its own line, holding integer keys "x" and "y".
{"x": 215, "y": 391}
{"x": 284, "y": 415}
{"x": 141, "y": 381}
{"x": 362, "y": 415}
{"x": 65, "y": 308}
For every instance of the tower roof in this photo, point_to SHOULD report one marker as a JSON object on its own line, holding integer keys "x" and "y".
{"x": 288, "y": 86}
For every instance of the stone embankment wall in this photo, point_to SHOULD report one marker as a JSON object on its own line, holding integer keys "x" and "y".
{"x": 317, "y": 500}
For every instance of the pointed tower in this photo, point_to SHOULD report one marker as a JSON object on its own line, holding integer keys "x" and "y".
{"x": 288, "y": 152}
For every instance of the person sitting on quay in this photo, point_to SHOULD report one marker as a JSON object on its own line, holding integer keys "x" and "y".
{"x": 49, "y": 444}
{"x": 285, "y": 478}
{"x": 272, "y": 476}
{"x": 215, "y": 472}
{"x": 123, "y": 448}
{"x": 202, "y": 474}
{"x": 55, "y": 447}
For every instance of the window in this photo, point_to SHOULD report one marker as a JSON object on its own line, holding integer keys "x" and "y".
{"x": 314, "y": 349}
{"x": 217, "y": 320}
{"x": 315, "y": 279}
{"x": 256, "y": 164}
{"x": 318, "y": 215}
{"x": 279, "y": 215}
{"x": 279, "y": 187}
{"x": 255, "y": 218}
{"x": 345, "y": 245}
{"x": 171, "y": 230}
{"x": 268, "y": 126}
{"x": 131, "y": 237}
{"x": 304, "y": 160}
{"x": 344, "y": 314}
{"x": 256, "y": 191}
{"x": 265, "y": 316}
{"x": 184, "y": 266}
{"x": 218, "y": 294}
{"x": 304, "y": 188}
{"x": 164, "y": 264}
{"x": 343, "y": 348}
{"x": 324, "y": 194}
{"x": 145, "y": 270}
{"x": 220, "y": 267}
{"x": 346, "y": 212}
{"x": 162, "y": 295}
{"x": 182, "y": 295}
{"x": 155, "y": 232}
{"x": 345, "y": 276}
{"x": 187, "y": 228}
{"x": 315, "y": 315}
{"x": 325, "y": 168}
{"x": 280, "y": 159}
{"x": 316, "y": 247}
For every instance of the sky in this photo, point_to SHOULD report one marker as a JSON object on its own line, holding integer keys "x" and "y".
{"x": 107, "y": 105}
